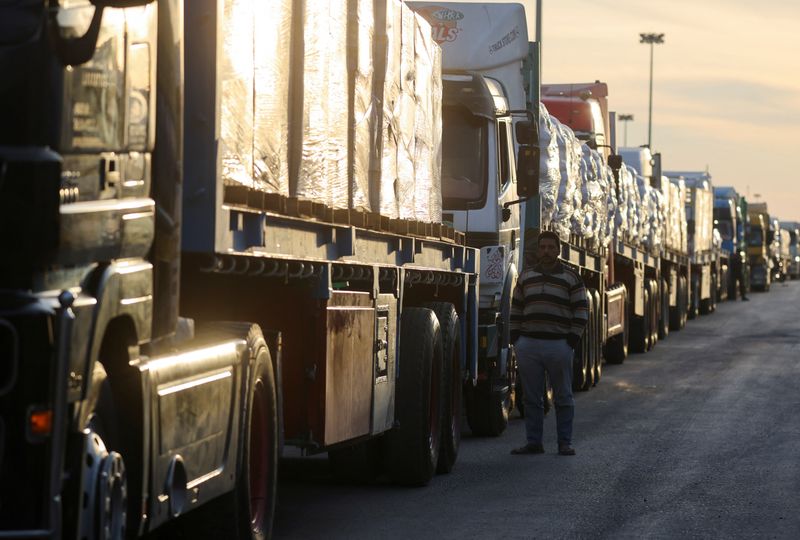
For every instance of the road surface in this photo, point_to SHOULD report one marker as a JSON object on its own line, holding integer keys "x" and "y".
{"x": 698, "y": 438}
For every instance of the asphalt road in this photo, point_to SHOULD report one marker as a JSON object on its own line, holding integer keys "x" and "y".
{"x": 700, "y": 438}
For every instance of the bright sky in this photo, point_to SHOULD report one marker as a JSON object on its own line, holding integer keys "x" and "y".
{"x": 726, "y": 91}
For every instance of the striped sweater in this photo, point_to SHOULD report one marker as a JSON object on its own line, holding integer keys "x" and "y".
{"x": 549, "y": 305}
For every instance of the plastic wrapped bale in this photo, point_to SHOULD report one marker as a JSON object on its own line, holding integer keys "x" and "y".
{"x": 660, "y": 219}
{"x": 629, "y": 203}
{"x": 364, "y": 112}
{"x": 656, "y": 220}
{"x": 579, "y": 209}
{"x": 591, "y": 192}
{"x": 669, "y": 202}
{"x": 703, "y": 216}
{"x": 621, "y": 207}
{"x": 323, "y": 168}
{"x": 236, "y": 86}
{"x": 569, "y": 166}
{"x": 597, "y": 196}
{"x": 642, "y": 192}
{"x": 612, "y": 202}
{"x": 435, "y": 194}
{"x": 549, "y": 166}
{"x": 389, "y": 18}
{"x": 645, "y": 214}
{"x": 273, "y": 21}
{"x": 425, "y": 147}
{"x": 681, "y": 215}
{"x": 406, "y": 116}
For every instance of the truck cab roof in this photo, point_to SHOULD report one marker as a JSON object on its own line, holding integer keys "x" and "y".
{"x": 480, "y": 95}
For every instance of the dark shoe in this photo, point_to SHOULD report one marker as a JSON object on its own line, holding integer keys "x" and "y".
{"x": 565, "y": 450}
{"x": 745, "y": 299}
{"x": 529, "y": 449}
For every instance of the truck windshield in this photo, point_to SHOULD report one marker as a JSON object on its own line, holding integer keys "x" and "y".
{"x": 755, "y": 237}
{"x": 464, "y": 150}
{"x": 725, "y": 229}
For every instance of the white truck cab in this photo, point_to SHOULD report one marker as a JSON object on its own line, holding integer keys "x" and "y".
{"x": 483, "y": 47}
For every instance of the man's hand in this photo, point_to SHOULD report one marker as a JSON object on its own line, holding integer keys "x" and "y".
{"x": 573, "y": 341}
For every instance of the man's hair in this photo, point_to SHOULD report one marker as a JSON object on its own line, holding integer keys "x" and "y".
{"x": 549, "y": 235}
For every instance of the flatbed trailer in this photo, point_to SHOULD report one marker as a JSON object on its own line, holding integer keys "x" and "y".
{"x": 164, "y": 335}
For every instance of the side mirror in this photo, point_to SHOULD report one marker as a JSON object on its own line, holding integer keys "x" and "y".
{"x": 526, "y": 133}
{"x": 615, "y": 162}
{"x": 528, "y": 171}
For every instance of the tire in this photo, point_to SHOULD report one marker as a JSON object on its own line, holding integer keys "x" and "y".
{"x": 684, "y": 302}
{"x": 487, "y": 411}
{"x": 413, "y": 445}
{"x": 588, "y": 345}
{"x": 248, "y": 512}
{"x": 580, "y": 366}
{"x": 617, "y": 346}
{"x": 640, "y": 327}
{"x": 104, "y": 486}
{"x": 452, "y": 407}
{"x": 694, "y": 299}
{"x": 654, "y": 312}
{"x": 598, "y": 341}
{"x": 664, "y": 320}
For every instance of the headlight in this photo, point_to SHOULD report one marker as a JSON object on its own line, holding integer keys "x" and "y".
{"x": 797, "y": 258}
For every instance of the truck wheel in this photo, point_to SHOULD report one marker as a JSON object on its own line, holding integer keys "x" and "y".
{"x": 104, "y": 485}
{"x": 598, "y": 340}
{"x": 588, "y": 345}
{"x": 694, "y": 299}
{"x": 665, "y": 315}
{"x": 453, "y": 383}
{"x": 676, "y": 313}
{"x": 617, "y": 346}
{"x": 487, "y": 410}
{"x": 247, "y": 513}
{"x": 413, "y": 446}
{"x": 654, "y": 306}
{"x": 685, "y": 302}
{"x": 640, "y": 327}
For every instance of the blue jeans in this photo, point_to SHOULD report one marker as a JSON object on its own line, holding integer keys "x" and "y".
{"x": 534, "y": 358}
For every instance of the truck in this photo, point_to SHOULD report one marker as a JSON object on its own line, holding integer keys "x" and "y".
{"x": 782, "y": 250}
{"x": 673, "y": 268}
{"x": 493, "y": 114}
{"x": 709, "y": 263}
{"x": 201, "y": 267}
{"x": 759, "y": 247}
{"x": 793, "y": 268}
{"x": 731, "y": 219}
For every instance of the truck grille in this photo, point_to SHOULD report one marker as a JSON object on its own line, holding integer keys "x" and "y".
{"x": 27, "y": 361}
{"x": 8, "y": 357}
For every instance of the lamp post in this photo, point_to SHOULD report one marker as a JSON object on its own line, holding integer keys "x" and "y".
{"x": 651, "y": 39}
{"x": 625, "y": 118}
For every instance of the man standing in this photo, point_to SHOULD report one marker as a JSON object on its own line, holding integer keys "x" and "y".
{"x": 549, "y": 312}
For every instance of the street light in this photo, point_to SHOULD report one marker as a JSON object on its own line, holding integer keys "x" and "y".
{"x": 625, "y": 118}
{"x": 652, "y": 39}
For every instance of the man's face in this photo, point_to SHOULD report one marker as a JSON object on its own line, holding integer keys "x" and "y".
{"x": 547, "y": 251}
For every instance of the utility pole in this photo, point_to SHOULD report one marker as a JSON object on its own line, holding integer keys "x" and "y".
{"x": 651, "y": 39}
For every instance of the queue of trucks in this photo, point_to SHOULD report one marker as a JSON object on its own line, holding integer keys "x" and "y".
{"x": 234, "y": 226}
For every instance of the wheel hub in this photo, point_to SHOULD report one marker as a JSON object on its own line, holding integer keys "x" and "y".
{"x": 105, "y": 492}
